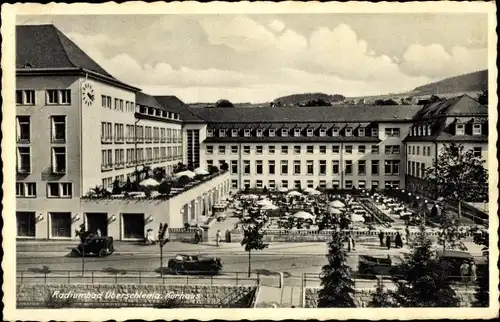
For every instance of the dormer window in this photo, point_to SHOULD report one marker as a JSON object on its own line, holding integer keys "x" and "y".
{"x": 419, "y": 131}
{"x": 246, "y": 133}
{"x": 361, "y": 131}
{"x": 429, "y": 132}
{"x": 234, "y": 132}
{"x": 476, "y": 129}
{"x": 222, "y": 133}
{"x": 259, "y": 132}
{"x": 424, "y": 130}
{"x": 335, "y": 131}
{"x": 296, "y": 132}
{"x": 272, "y": 132}
{"x": 322, "y": 132}
{"x": 375, "y": 132}
{"x": 210, "y": 133}
{"x": 459, "y": 129}
{"x": 310, "y": 132}
{"x": 348, "y": 131}
{"x": 284, "y": 132}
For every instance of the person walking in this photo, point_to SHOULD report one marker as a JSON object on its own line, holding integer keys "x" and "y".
{"x": 473, "y": 272}
{"x": 197, "y": 237}
{"x": 381, "y": 238}
{"x": 353, "y": 242}
{"x": 407, "y": 232}
{"x": 398, "y": 241}
{"x": 464, "y": 271}
{"x": 388, "y": 242}
{"x": 218, "y": 237}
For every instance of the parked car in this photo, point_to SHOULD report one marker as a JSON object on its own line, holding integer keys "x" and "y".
{"x": 195, "y": 264}
{"x": 100, "y": 246}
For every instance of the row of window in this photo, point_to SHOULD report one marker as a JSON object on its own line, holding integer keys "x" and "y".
{"x": 416, "y": 169}
{"x": 477, "y": 129}
{"x": 415, "y": 150}
{"x": 310, "y": 132}
{"x": 157, "y": 112}
{"x": 127, "y": 157}
{"x": 309, "y": 149}
{"x": 57, "y": 129}
{"x": 58, "y": 159}
{"x": 139, "y": 133}
{"x": 52, "y": 97}
{"x": 120, "y": 105}
{"x": 312, "y": 167}
{"x": 322, "y": 184}
{"x": 54, "y": 189}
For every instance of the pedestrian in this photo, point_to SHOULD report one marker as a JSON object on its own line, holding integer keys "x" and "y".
{"x": 407, "y": 231}
{"x": 398, "y": 241}
{"x": 352, "y": 241}
{"x": 464, "y": 271}
{"x": 381, "y": 238}
{"x": 196, "y": 237}
{"x": 473, "y": 272}
{"x": 218, "y": 237}
{"x": 98, "y": 233}
{"x": 388, "y": 242}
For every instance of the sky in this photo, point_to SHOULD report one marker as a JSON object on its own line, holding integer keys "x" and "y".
{"x": 257, "y": 58}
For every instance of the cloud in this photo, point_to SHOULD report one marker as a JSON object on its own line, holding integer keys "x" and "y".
{"x": 435, "y": 62}
{"x": 277, "y": 25}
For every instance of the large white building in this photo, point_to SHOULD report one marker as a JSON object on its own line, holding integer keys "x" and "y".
{"x": 78, "y": 127}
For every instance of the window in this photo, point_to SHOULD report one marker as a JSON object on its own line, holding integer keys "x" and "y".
{"x": 107, "y": 158}
{"x": 210, "y": 149}
{"x": 25, "y": 97}
{"x": 348, "y": 149}
{"x": 310, "y": 149}
{"x": 272, "y": 132}
{"x": 335, "y": 131}
{"x": 258, "y": 184}
{"x": 392, "y": 131}
{"x": 272, "y": 184}
{"x": 310, "y": 183}
{"x": 272, "y": 167}
{"x": 58, "y": 96}
{"x": 234, "y": 166}
{"x": 59, "y": 159}
{"x": 284, "y": 184}
{"x": 429, "y": 130}
{"x": 361, "y": 131}
{"x": 375, "y": 149}
{"x": 477, "y": 152}
{"x": 222, "y": 149}
{"x": 335, "y": 149}
{"x": 348, "y": 131}
{"x": 296, "y": 184}
{"x": 210, "y": 163}
{"x": 361, "y": 149}
{"x": 375, "y": 184}
{"x": 246, "y": 149}
{"x": 322, "y": 132}
{"x": 296, "y": 132}
{"x": 310, "y": 167}
{"x": 322, "y": 184}
{"x": 284, "y": 149}
{"x": 234, "y": 184}
{"x": 259, "y": 133}
{"x": 246, "y": 167}
{"x": 119, "y": 135}
{"x": 310, "y": 132}
{"x": 210, "y": 133}
{"x": 322, "y": 167}
{"x": 476, "y": 129}
{"x": 296, "y": 149}
{"x": 234, "y": 149}
{"x": 422, "y": 170}
{"x": 375, "y": 167}
{"x": 119, "y": 158}
{"x": 271, "y": 149}
{"x": 392, "y": 167}
{"x": 246, "y": 133}
{"x": 108, "y": 102}
{"x": 26, "y": 189}
{"x": 234, "y": 132}
{"x": 259, "y": 167}
{"x": 392, "y": 184}
{"x": 348, "y": 167}
{"x": 59, "y": 190}
{"x": 361, "y": 167}
{"x": 61, "y": 224}
{"x": 335, "y": 184}
{"x": 322, "y": 149}
{"x": 296, "y": 167}
{"x": 26, "y": 223}
{"x": 413, "y": 150}
{"x": 23, "y": 129}
{"x": 221, "y": 163}
{"x": 258, "y": 149}
{"x": 392, "y": 149}
{"x": 284, "y": 167}
{"x": 419, "y": 131}
{"x": 361, "y": 184}
{"x": 222, "y": 133}
{"x": 335, "y": 166}
{"x": 116, "y": 103}
{"x": 348, "y": 184}
{"x": 374, "y": 132}
{"x": 418, "y": 150}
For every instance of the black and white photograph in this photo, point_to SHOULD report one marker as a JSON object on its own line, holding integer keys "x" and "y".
{"x": 175, "y": 157}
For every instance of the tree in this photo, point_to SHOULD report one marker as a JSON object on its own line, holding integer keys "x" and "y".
{"x": 183, "y": 181}
{"x": 180, "y": 167}
{"x": 224, "y": 166}
{"x": 483, "y": 98}
{"x": 482, "y": 291}
{"x": 459, "y": 175}
{"x": 421, "y": 278}
{"x": 162, "y": 240}
{"x": 224, "y": 103}
{"x": 165, "y": 187}
{"x": 159, "y": 174}
{"x": 116, "y": 187}
{"x": 381, "y": 297}
{"x": 337, "y": 287}
{"x": 253, "y": 240}
{"x": 450, "y": 236}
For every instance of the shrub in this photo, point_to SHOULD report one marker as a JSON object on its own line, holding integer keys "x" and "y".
{"x": 224, "y": 166}
{"x": 165, "y": 187}
{"x": 183, "y": 181}
{"x": 213, "y": 169}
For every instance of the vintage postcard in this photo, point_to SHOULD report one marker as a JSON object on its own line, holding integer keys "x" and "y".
{"x": 289, "y": 160}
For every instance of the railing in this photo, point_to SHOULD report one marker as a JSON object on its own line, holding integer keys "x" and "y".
{"x": 379, "y": 214}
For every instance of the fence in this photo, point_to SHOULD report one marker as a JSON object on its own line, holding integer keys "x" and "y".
{"x": 143, "y": 277}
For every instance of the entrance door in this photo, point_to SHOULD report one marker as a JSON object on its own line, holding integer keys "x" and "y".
{"x": 97, "y": 220}
{"x": 133, "y": 226}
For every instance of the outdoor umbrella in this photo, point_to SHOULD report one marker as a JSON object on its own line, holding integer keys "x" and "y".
{"x": 149, "y": 182}
{"x": 283, "y": 189}
{"x": 269, "y": 207}
{"x": 201, "y": 171}
{"x": 314, "y": 192}
{"x": 357, "y": 218}
{"x": 308, "y": 190}
{"x": 337, "y": 204}
{"x": 303, "y": 215}
{"x": 334, "y": 211}
{"x": 187, "y": 173}
{"x": 294, "y": 194}
{"x": 264, "y": 202}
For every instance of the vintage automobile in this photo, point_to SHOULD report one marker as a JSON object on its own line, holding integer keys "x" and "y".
{"x": 100, "y": 246}
{"x": 194, "y": 264}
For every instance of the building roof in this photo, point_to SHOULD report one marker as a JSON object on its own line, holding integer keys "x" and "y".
{"x": 174, "y": 104}
{"x": 457, "y": 106}
{"x": 291, "y": 139}
{"x": 44, "y": 47}
{"x": 148, "y": 100}
{"x": 307, "y": 114}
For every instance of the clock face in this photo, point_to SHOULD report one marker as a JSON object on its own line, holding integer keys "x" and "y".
{"x": 88, "y": 95}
